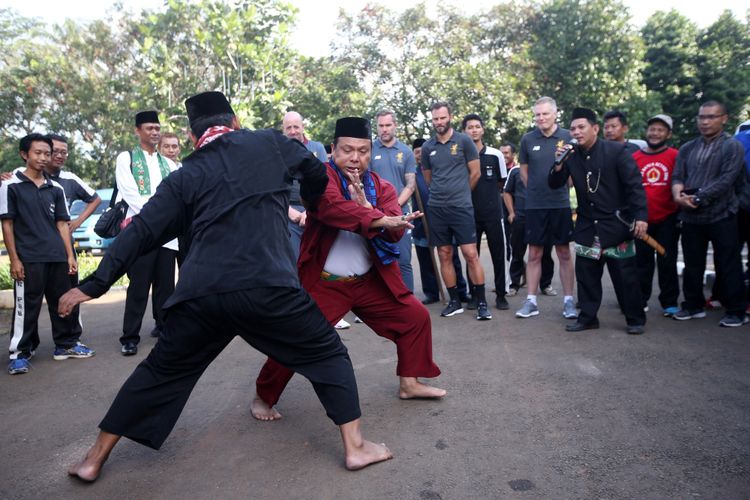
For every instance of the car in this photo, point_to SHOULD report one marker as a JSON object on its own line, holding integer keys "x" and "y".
{"x": 84, "y": 238}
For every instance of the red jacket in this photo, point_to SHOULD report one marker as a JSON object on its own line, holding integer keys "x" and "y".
{"x": 335, "y": 212}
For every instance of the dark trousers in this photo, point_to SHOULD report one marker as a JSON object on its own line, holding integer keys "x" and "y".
{"x": 667, "y": 233}
{"x": 75, "y": 315}
{"x": 496, "y": 244}
{"x": 589, "y": 277}
{"x": 283, "y": 323}
{"x": 154, "y": 268}
{"x": 727, "y": 262}
{"x": 42, "y": 280}
{"x": 518, "y": 250}
{"x": 427, "y": 273}
{"x": 743, "y": 223}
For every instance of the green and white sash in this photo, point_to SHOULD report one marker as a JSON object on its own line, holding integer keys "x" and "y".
{"x": 139, "y": 167}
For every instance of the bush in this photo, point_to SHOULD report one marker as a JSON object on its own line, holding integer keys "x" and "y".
{"x": 6, "y": 283}
{"x": 87, "y": 264}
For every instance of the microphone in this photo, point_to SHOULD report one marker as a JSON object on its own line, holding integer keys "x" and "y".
{"x": 568, "y": 149}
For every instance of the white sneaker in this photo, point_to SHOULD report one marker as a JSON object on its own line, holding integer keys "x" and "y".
{"x": 357, "y": 320}
{"x": 342, "y": 325}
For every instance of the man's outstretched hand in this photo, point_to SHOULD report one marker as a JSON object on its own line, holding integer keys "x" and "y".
{"x": 69, "y": 300}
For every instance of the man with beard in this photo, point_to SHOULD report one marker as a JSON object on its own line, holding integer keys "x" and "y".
{"x": 609, "y": 191}
{"x": 349, "y": 261}
{"x": 422, "y": 247}
{"x": 138, "y": 173}
{"x": 656, "y": 163}
{"x": 450, "y": 164}
{"x": 238, "y": 279}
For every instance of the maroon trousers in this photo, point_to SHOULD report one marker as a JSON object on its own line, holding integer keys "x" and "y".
{"x": 407, "y": 325}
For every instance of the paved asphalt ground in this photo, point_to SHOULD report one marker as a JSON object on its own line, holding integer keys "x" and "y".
{"x": 532, "y": 412}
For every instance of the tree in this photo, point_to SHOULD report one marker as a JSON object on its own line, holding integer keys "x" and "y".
{"x": 723, "y": 64}
{"x": 323, "y": 90}
{"x": 670, "y": 72}
{"x": 586, "y": 53}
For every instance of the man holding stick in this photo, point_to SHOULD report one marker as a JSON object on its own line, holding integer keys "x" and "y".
{"x": 610, "y": 195}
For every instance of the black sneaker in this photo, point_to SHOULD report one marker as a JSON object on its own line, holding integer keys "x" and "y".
{"x": 483, "y": 314}
{"x": 732, "y": 320}
{"x": 471, "y": 305}
{"x": 501, "y": 304}
{"x": 453, "y": 307}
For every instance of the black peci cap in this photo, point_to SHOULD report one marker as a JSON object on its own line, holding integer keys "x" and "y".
{"x": 207, "y": 104}
{"x": 353, "y": 126}
{"x": 146, "y": 117}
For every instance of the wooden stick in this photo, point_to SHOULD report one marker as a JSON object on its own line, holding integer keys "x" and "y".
{"x": 435, "y": 269}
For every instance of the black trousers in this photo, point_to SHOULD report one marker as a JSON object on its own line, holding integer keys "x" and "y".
{"x": 427, "y": 273}
{"x": 589, "y": 277}
{"x": 518, "y": 250}
{"x": 743, "y": 222}
{"x": 154, "y": 268}
{"x": 283, "y": 323}
{"x": 75, "y": 314}
{"x": 667, "y": 233}
{"x": 43, "y": 280}
{"x": 727, "y": 262}
{"x": 496, "y": 244}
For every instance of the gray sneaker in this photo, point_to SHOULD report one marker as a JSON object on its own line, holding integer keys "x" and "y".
{"x": 549, "y": 291}
{"x": 527, "y": 310}
{"x": 569, "y": 310}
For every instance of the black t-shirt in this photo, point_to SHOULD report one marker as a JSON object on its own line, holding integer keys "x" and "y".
{"x": 232, "y": 197}
{"x": 486, "y": 194}
{"x": 35, "y": 212}
{"x": 74, "y": 187}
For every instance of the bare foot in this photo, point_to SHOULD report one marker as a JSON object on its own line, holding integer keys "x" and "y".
{"x": 262, "y": 411}
{"x": 367, "y": 453}
{"x": 411, "y": 388}
{"x": 87, "y": 469}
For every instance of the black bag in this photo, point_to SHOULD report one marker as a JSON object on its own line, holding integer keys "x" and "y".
{"x": 108, "y": 225}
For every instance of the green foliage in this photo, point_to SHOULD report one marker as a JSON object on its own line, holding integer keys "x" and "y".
{"x": 6, "y": 282}
{"x": 686, "y": 66}
{"x": 585, "y": 53}
{"x": 86, "y": 80}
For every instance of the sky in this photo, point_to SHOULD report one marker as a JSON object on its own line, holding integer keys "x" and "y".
{"x": 311, "y": 37}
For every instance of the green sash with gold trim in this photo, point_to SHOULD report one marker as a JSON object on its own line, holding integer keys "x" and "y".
{"x": 139, "y": 167}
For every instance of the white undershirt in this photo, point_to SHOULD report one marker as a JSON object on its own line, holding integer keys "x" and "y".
{"x": 128, "y": 188}
{"x": 349, "y": 255}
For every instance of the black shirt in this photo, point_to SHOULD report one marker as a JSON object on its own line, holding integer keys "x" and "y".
{"x": 232, "y": 195}
{"x": 606, "y": 180}
{"x": 35, "y": 212}
{"x": 74, "y": 187}
{"x": 486, "y": 194}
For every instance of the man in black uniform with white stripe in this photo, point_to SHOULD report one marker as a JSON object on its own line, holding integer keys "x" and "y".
{"x": 238, "y": 278}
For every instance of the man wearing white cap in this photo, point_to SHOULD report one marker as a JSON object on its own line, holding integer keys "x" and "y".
{"x": 656, "y": 163}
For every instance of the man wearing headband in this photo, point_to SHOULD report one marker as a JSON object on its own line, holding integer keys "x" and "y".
{"x": 349, "y": 261}
{"x": 231, "y": 196}
{"x": 610, "y": 198}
